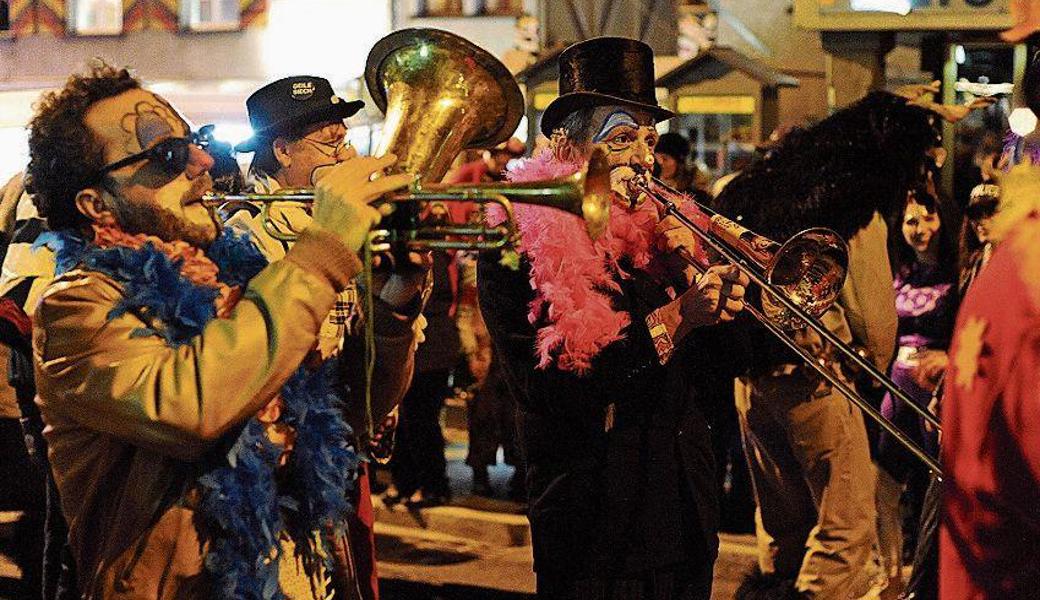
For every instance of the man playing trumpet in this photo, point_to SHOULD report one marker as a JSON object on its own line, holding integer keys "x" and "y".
{"x": 196, "y": 457}
{"x": 299, "y": 134}
{"x": 594, "y": 341}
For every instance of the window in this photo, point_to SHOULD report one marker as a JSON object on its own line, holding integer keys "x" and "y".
{"x": 209, "y": 15}
{"x": 95, "y": 17}
{"x": 466, "y": 8}
{"x": 722, "y": 142}
{"x": 5, "y": 15}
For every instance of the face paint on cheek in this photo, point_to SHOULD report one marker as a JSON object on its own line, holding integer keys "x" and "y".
{"x": 622, "y": 181}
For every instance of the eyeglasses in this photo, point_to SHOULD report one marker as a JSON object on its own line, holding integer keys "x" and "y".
{"x": 171, "y": 154}
{"x": 329, "y": 149}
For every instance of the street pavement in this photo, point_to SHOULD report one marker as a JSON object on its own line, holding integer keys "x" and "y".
{"x": 422, "y": 556}
{"x": 470, "y": 550}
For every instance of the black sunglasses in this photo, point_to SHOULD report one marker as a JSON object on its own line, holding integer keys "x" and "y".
{"x": 171, "y": 154}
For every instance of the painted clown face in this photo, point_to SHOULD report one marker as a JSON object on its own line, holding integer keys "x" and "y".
{"x": 146, "y": 196}
{"x": 627, "y": 137}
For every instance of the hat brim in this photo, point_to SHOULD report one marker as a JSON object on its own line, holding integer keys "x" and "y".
{"x": 329, "y": 112}
{"x": 564, "y": 105}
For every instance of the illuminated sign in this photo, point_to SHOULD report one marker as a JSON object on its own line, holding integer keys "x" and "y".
{"x": 715, "y": 105}
{"x": 543, "y": 99}
{"x": 905, "y": 7}
{"x": 902, "y": 15}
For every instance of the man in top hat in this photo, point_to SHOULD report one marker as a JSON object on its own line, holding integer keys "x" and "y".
{"x": 595, "y": 340}
{"x": 299, "y": 134}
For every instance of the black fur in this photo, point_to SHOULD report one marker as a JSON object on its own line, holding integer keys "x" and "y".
{"x": 837, "y": 173}
{"x": 861, "y": 160}
{"x": 757, "y": 586}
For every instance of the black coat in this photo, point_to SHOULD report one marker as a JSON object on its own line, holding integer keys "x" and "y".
{"x": 640, "y": 497}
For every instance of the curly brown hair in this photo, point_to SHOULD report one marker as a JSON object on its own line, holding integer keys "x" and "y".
{"x": 64, "y": 156}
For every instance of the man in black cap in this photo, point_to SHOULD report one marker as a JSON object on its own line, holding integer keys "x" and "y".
{"x": 599, "y": 356}
{"x": 298, "y": 129}
{"x": 299, "y": 133}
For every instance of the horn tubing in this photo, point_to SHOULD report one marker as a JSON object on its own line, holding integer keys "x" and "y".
{"x": 849, "y": 393}
{"x": 737, "y": 260}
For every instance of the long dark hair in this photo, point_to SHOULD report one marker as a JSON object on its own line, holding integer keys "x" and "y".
{"x": 902, "y": 257}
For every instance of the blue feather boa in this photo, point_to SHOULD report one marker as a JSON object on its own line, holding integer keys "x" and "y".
{"x": 246, "y": 501}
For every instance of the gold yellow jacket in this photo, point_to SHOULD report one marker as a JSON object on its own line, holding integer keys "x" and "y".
{"x": 128, "y": 416}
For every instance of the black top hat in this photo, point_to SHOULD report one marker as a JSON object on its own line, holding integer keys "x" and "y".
{"x": 291, "y": 102}
{"x": 604, "y": 71}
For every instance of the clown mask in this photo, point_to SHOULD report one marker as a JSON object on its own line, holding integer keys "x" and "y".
{"x": 627, "y": 138}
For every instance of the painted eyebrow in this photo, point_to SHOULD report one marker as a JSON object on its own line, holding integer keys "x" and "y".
{"x": 616, "y": 119}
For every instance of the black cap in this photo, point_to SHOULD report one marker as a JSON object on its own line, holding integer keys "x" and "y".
{"x": 605, "y": 71}
{"x": 293, "y": 102}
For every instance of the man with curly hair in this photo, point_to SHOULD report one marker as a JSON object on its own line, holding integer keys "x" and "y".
{"x": 194, "y": 455}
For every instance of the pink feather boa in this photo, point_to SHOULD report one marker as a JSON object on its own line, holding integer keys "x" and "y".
{"x": 574, "y": 276}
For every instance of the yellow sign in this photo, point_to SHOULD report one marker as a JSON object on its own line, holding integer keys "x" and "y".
{"x": 902, "y": 15}
{"x": 542, "y": 99}
{"x": 716, "y": 105}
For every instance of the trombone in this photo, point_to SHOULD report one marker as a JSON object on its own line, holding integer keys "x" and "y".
{"x": 799, "y": 281}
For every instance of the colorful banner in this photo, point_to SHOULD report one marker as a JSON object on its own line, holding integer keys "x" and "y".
{"x": 23, "y": 17}
{"x": 254, "y": 13}
{"x": 162, "y": 15}
{"x": 34, "y": 17}
{"x": 135, "y": 15}
{"x": 50, "y": 17}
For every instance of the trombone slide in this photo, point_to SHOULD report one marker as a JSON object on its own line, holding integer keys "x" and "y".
{"x": 733, "y": 256}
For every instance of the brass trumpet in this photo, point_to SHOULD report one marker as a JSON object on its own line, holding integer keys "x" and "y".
{"x": 799, "y": 281}
{"x": 585, "y": 194}
{"x": 442, "y": 94}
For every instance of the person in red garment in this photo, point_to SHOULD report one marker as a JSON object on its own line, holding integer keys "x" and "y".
{"x": 991, "y": 422}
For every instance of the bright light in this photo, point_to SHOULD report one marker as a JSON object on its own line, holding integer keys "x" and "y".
{"x": 900, "y": 7}
{"x": 14, "y": 151}
{"x": 521, "y": 130}
{"x": 328, "y": 38}
{"x": 960, "y": 55}
{"x": 233, "y": 133}
{"x": 1022, "y": 121}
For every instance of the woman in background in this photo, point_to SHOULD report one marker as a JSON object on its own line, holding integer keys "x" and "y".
{"x": 923, "y": 252}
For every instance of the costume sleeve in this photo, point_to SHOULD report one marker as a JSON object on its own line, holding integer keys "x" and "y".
{"x": 395, "y": 333}
{"x": 1021, "y": 403}
{"x": 110, "y": 375}
{"x": 868, "y": 297}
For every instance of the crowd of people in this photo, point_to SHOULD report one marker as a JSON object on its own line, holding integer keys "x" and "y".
{"x": 196, "y": 398}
